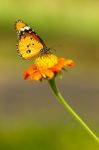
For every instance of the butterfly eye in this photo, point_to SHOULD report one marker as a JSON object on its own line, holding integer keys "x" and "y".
{"x": 28, "y": 51}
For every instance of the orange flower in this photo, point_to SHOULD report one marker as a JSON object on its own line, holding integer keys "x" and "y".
{"x": 47, "y": 66}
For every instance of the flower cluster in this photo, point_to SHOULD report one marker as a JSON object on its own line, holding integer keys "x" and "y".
{"x": 46, "y": 67}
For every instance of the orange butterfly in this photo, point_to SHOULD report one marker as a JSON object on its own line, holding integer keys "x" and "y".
{"x": 29, "y": 43}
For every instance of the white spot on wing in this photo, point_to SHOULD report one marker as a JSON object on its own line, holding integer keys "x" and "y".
{"x": 27, "y": 28}
{"x": 22, "y": 29}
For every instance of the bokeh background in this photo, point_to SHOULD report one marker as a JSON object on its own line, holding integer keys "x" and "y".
{"x": 30, "y": 116}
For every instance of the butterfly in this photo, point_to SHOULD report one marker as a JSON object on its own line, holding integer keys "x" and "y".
{"x": 29, "y": 43}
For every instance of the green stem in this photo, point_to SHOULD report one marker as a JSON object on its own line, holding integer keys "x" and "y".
{"x": 70, "y": 110}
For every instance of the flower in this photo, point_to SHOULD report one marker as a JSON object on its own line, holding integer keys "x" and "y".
{"x": 47, "y": 66}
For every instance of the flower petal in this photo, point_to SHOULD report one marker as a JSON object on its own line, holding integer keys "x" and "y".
{"x": 61, "y": 63}
{"x": 70, "y": 63}
{"x": 49, "y": 73}
{"x": 30, "y": 71}
{"x": 36, "y": 76}
{"x": 42, "y": 72}
{"x": 26, "y": 75}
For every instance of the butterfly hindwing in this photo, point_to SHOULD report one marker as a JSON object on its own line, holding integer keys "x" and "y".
{"x": 29, "y": 43}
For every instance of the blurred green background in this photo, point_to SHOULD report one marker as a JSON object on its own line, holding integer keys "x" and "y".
{"x": 30, "y": 116}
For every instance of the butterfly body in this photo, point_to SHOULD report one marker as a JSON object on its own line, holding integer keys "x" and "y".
{"x": 29, "y": 43}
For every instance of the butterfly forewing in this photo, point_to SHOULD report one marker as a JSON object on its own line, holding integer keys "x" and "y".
{"x": 28, "y": 46}
{"x": 29, "y": 43}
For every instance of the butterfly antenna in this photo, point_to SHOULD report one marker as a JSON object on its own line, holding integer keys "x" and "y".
{"x": 52, "y": 49}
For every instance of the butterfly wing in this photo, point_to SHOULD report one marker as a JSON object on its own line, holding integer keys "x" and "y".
{"x": 29, "y": 46}
{"x": 29, "y": 43}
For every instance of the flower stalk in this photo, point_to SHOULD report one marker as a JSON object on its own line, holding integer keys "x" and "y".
{"x": 70, "y": 110}
{"x": 47, "y": 66}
